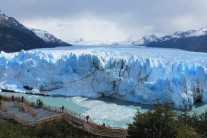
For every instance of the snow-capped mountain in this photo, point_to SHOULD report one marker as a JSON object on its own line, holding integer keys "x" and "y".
{"x": 10, "y": 22}
{"x": 187, "y": 34}
{"x": 48, "y": 38}
{"x": 14, "y": 36}
{"x": 193, "y": 40}
{"x": 145, "y": 40}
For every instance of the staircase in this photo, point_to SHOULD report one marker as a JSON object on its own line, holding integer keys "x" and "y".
{"x": 94, "y": 128}
{"x": 105, "y": 131}
{"x": 24, "y": 118}
{"x": 23, "y": 113}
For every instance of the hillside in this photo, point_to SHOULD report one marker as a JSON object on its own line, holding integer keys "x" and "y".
{"x": 192, "y": 40}
{"x": 14, "y": 36}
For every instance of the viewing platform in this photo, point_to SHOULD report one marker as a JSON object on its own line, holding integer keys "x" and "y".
{"x": 32, "y": 114}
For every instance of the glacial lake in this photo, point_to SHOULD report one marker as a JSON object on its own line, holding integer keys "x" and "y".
{"x": 112, "y": 112}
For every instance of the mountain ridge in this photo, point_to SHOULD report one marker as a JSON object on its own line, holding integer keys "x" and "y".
{"x": 192, "y": 40}
{"x": 14, "y": 36}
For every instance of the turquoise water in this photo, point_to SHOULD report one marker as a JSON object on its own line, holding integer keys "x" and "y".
{"x": 112, "y": 112}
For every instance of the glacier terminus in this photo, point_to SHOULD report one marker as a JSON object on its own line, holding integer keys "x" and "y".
{"x": 138, "y": 74}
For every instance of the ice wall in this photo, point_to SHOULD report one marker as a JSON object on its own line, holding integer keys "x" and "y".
{"x": 141, "y": 80}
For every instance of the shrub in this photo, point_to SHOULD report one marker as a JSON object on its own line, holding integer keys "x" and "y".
{"x": 163, "y": 122}
{"x": 39, "y": 103}
{"x": 158, "y": 123}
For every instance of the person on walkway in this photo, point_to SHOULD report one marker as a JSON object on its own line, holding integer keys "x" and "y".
{"x": 1, "y": 100}
{"x": 12, "y": 97}
{"x": 62, "y": 108}
{"x": 22, "y": 99}
{"x": 87, "y": 118}
{"x": 1, "y": 97}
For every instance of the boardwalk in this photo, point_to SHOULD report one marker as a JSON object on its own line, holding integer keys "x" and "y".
{"x": 30, "y": 114}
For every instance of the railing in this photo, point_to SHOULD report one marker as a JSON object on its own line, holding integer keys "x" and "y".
{"x": 7, "y": 115}
{"x": 27, "y": 102}
{"x": 30, "y": 110}
{"x": 33, "y": 112}
{"x": 87, "y": 128}
{"x": 104, "y": 131}
{"x": 68, "y": 115}
{"x": 22, "y": 121}
{"x": 16, "y": 103}
{"x": 74, "y": 119}
{"x": 52, "y": 108}
{"x": 74, "y": 114}
{"x": 93, "y": 128}
{"x": 48, "y": 119}
{"x": 3, "y": 106}
{"x": 18, "y": 119}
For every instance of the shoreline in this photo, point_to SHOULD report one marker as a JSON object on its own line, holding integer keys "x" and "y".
{"x": 116, "y": 100}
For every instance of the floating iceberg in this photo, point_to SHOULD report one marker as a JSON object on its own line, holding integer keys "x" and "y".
{"x": 141, "y": 75}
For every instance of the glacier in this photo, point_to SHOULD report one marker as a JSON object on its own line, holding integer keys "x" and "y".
{"x": 137, "y": 74}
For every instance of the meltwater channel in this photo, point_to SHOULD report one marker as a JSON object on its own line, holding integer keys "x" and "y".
{"x": 112, "y": 112}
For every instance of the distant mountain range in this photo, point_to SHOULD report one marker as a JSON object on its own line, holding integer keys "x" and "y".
{"x": 14, "y": 36}
{"x": 192, "y": 40}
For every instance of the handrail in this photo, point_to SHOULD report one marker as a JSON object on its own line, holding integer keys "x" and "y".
{"x": 52, "y": 108}
{"x": 7, "y": 115}
{"x": 3, "y": 106}
{"x": 74, "y": 114}
{"x": 87, "y": 127}
{"x": 18, "y": 119}
{"x": 30, "y": 110}
{"x": 100, "y": 130}
{"x": 104, "y": 132}
{"x": 27, "y": 102}
{"x": 51, "y": 118}
{"x": 21, "y": 120}
{"x": 68, "y": 115}
{"x": 73, "y": 119}
{"x": 16, "y": 103}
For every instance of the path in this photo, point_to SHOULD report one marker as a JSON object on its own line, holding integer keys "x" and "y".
{"x": 29, "y": 114}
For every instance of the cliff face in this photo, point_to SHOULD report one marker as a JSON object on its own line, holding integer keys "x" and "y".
{"x": 174, "y": 76}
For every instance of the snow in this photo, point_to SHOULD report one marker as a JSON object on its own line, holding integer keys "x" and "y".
{"x": 44, "y": 35}
{"x": 137, "y": 74}
{"x": 202, "y": 31}
{"x": 145, "y": 40}
{"x": 177, "y": 35}
{"x": 190, "y": 33}
{"x": 3, "y": 15}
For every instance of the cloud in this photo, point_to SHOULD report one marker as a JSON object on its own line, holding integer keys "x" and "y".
{"x": 89, "y": 28}
{"x": 184, "y": 22}
{"x": 108, "y": 19}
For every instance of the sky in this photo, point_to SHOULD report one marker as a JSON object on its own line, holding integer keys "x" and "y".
{"x": 108, "y": 20}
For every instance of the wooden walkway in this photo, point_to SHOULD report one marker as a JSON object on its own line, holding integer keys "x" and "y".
{"x": 29, "y": 114}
